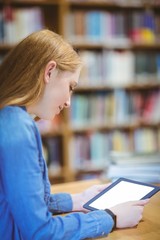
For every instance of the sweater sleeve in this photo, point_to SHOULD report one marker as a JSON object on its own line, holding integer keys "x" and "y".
{"x": 60, "y": 203}
{"x": 24, "y": 192}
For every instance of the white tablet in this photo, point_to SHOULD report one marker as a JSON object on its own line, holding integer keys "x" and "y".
{"x": 122, "y": 190}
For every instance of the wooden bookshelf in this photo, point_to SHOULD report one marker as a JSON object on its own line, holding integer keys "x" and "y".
{"x": 111, "y": 4}
{"x": 55, "y": 16}
{"x": 135, "y": 86}
{"x": 82, "y": 44}
{"x": 111, "y": 127}
{"x": 129, "y": 46}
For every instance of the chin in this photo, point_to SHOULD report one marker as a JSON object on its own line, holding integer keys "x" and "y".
{"x": 53, "y": 117}
{"x": 47, "y": 117}
{"x": 50, "y": 118}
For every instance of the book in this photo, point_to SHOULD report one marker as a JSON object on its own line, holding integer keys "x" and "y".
{"x": 52, "y": 150}
{"x": 135, "y": 166}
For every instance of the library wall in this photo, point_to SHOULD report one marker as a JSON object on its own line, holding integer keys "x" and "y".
{"x": 113, "y": 126}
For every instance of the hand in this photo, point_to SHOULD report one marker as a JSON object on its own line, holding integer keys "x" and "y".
{"x": 81, "y": 198}
{"x": 129, "y": 213}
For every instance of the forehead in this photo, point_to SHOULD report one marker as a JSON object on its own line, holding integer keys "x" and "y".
{"x": 72, "y": 77}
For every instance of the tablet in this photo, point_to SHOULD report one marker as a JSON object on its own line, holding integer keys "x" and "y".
{"x": 122, "y": 190}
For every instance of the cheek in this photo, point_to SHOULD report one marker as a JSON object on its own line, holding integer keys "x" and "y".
{"x": 64, "y": 94}
{"x": 60, "y": 96}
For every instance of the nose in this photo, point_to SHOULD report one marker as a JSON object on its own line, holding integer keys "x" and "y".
{"x": 67, "y": 103}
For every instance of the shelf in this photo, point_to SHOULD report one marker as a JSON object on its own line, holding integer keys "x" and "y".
{"x": 101, "y": 127}
{"x": 111, "y": 127}
{"x": 57, "y": 133}
{"x": 135, "y": 86}
{"x": 112, "y": 4}
{"x": 153, "y": 46}
{"x": 56, "y": 179}
{"x": 98, "y": 45}
{"x": 35, "y": 2}
{"x": 5, "y": 47}
{"x": 89, "y": 170}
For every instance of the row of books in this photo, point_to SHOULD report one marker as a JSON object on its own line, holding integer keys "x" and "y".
{"x": 142, "y": 167}
{"x": 91, "y": 151}
{"x": 52, "y": 151}
{"x": 118, "y": 27}
{"x": 114, "y": 68}
{"x": 118, "y": 68}
{"x": 17, "y": 23}
{"x": 115, "y": 107}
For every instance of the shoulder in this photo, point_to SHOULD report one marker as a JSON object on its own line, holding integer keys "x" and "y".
{"x": 15, "y": 122}
{"x": 13, "y": 116}
{"x": 13, "y": 111}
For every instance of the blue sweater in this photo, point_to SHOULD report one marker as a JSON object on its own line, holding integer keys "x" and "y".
{"x": 26, "y": 204}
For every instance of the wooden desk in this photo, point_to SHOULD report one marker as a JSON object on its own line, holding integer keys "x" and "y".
{"x": 148, "y": 228}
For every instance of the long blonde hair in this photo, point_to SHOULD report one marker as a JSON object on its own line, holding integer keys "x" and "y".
{"x": 20, "y": 81}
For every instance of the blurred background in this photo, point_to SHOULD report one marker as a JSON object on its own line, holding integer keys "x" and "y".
{"x": 112, "y": 129}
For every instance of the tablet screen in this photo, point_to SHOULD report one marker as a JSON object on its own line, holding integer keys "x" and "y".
{"x": 123, "y": 190}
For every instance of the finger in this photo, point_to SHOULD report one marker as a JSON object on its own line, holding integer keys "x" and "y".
{"x": 140, "y": 208}
{"x": 140, "y": 217}
{"x": 103, "y": 186}
{"x": 141, "y": 202}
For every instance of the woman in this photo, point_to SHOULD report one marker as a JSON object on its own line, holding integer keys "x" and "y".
{"x": 38, "y": 77}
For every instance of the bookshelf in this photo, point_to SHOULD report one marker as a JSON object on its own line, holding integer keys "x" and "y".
{"x": 119, "y": 43}
{"x": 115, "y": 107}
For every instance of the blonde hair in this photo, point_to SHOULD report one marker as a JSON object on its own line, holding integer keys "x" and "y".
{"x": 20, "y": 72}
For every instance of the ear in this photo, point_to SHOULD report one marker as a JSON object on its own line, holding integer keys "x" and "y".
{"x": 49, "y": 69}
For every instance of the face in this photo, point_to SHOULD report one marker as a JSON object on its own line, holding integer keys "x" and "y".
{"x": 57, "y": 93}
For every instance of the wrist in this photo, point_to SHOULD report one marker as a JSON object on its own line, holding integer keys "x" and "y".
{"x": 113, "y": 217}
{"x": 76, "y": 202}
